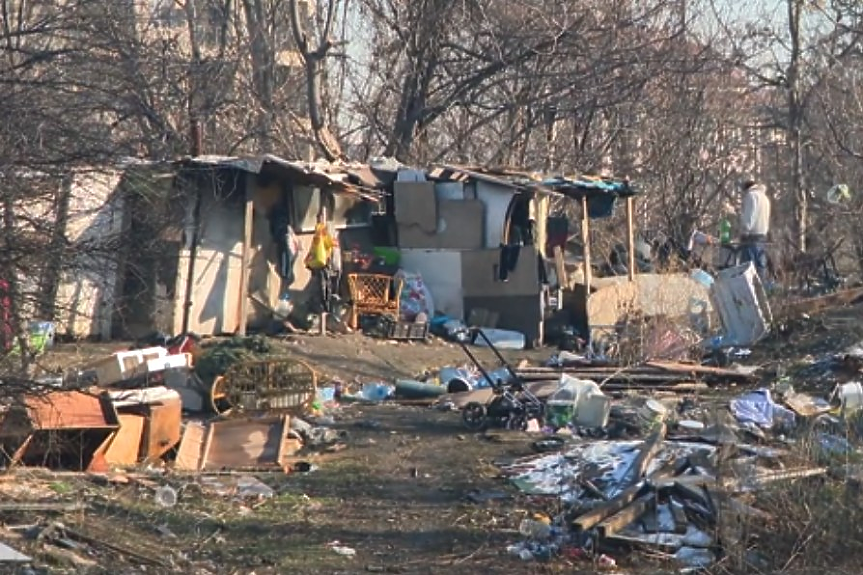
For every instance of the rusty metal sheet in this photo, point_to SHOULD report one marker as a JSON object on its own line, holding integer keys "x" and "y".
{"x": 70, "y": 410}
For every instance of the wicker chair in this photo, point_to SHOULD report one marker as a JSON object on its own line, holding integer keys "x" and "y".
{"x": 277, "y": 384}
{"x": 373, "y": 294}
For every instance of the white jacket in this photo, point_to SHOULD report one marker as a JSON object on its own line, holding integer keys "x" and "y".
{"x": 755, "y": 215}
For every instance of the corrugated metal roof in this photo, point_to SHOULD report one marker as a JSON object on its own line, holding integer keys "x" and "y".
{"x": 570, "y": 186}
{"x": 334, "y": 176}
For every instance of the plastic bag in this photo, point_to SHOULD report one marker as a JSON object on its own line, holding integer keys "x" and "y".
{"x": 320, "y": 250}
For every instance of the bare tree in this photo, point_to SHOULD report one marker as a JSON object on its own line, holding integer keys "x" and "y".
{"x": 314, "y": 52}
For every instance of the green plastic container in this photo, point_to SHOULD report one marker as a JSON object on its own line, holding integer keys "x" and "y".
{"x": 390, "y": 256}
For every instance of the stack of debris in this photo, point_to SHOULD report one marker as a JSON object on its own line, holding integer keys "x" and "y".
{"x": 126, "y": 409}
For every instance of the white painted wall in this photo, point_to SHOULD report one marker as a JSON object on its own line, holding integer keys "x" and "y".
{"x": 215, "y": 296}
{"x": 87, "y": 288}
{"x": 441, "y": 273}
{"x": 496, "y": 199}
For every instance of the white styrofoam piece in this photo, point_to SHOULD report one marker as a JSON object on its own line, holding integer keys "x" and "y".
{"x": 168, "y": 362}
{"x": 147, "y": 396}
{"x": 9, "y": 555}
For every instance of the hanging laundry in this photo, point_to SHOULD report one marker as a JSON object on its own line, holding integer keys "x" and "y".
{"x": 287, "y": 243}
{"x": 599, "y": 207}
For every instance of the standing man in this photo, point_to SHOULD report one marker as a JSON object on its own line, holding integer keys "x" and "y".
{"x": 754, "y": 226}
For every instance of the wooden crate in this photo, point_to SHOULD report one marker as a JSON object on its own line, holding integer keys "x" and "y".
{"x": 408, "y": 330}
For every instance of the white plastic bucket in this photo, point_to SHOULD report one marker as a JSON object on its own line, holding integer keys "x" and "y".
{"x": 593, "y": 410}
{"x": 851, "y": 396}
{"x": 652, "y": 413}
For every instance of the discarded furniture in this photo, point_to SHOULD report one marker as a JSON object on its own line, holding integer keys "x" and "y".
{"x": 246, "y": 444}
{"x": 285, "y": 384}
{"x": 160, "y": 411}
{"x": 373, "y": 294}
{"x": 68, "y": 430}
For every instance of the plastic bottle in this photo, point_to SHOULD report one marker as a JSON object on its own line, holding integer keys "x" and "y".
{"x": 284, "y": 307}
{"x": 724, "y": 231}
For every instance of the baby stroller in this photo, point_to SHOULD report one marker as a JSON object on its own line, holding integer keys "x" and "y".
{"x": 512, "y": 405}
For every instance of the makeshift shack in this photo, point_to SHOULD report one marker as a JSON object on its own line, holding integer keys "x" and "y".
{"x": 230, "y": 255}
{"x": 477, "y": 240}
{"x": 598, "y": 306}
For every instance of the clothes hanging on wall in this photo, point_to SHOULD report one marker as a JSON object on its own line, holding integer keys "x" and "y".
{"x": 287, "y": 244}
{"x": 508, "y": 260}
{"x": 599, "y": 207}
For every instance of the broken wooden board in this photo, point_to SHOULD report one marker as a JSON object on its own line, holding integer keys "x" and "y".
{"x": 647, "y": 452}
{"x": 126, "y": 444}
{"x": 247, "y": 444}
{"x": 589, "y": 520}
{"x": 703, "y": 370}
{"x": 805, "y": 405}
{"x": 825, "y": 302}
{"x": 627, "y": 515}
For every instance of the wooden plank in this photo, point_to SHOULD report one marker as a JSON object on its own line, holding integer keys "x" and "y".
{"x": 125, "y": 447}
{"x": 627, "y": 515}
{"x": 585, "y": 239}
{"x": 678, "y": 511}
{"x": 282, "y": 449}
{"x": 821, "y": 303}
{"x": 248, "y": 223}
{"x": 630, "y": 236}
{"x": 589, "y": 520}
{"x": 695, "y": 369}
{"x": 560, "y": 268}
{"x": 191, "y": 448}
{"x": 208, "y": 443}
{"x": 649, "y": 448}
{"x": 37, "y": 506}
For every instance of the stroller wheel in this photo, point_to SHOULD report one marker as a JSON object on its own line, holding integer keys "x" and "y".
{"x": 473, "y": 415}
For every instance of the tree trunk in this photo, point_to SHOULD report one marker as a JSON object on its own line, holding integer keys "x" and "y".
{"x": 795, "y": 124}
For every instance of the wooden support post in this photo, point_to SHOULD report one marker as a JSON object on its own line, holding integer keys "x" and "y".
{"x": 248, "y": 223}
{"x": 560, "y": 268}
{"x": 630, "y": 236}
{"x": 585, "y": 239}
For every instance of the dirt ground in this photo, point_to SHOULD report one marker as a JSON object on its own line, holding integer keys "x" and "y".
{"x": 351, "y": 357}
{"x": 398, "y": 495}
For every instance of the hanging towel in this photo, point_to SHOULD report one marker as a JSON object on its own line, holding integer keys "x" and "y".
{"x": 599, "y": 207}
{"x": 508, "y": 261}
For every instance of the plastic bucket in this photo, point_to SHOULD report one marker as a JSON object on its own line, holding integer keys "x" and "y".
{"x": 559, "y": 413}
{"x": 593, "y": 410}
{"x": 651, "y": 414}
{"x": 851, "y": 396}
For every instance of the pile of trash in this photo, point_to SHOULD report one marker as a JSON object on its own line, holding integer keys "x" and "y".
{"x": 666, "y": 472}
{"x": 173, "y": 407}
